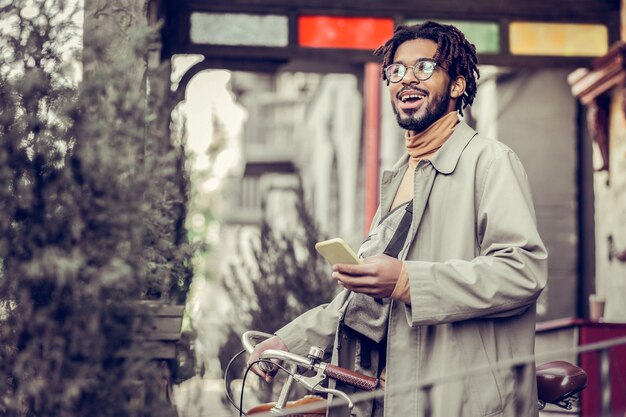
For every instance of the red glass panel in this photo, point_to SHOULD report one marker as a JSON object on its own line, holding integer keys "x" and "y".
{"x": 343, "y": 32}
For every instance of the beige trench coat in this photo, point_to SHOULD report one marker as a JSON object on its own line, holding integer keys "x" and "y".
{"x": 476, "y": 267}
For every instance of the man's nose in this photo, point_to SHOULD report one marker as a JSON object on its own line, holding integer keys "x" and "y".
{"x": 410, "y": 77}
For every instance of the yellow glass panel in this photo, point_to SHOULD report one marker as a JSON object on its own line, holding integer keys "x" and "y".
{"x": 558, "y": 39}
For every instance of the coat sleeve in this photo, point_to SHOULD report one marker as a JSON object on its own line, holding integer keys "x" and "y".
{"x": 511, "y": 269}
{"x": 316, "y": 327}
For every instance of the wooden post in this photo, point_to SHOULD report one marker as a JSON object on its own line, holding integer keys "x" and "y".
{"x": 622, "y": 18}
{"x": 371, "y": 141}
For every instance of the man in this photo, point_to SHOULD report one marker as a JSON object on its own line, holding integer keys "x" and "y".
{"x": 452, "y": 284}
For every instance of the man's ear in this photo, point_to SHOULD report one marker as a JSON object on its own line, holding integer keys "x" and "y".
{"x": 457, "y": 87}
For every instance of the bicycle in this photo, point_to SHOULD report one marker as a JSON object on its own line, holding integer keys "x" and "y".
{"x": 558, "y": 382}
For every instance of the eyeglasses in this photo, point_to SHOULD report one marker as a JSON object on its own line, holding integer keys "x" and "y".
{"x": 423, "y": 70}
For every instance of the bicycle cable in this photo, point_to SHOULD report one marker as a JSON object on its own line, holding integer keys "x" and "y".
{"x": 245, "y": 375}
{"x": 226, "y": 384}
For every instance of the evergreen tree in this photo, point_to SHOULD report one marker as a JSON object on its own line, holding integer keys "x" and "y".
{"x": 92, "y": 209}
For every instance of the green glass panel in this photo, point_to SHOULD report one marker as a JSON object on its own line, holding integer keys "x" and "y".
{"x": 239, "y": 29}
{"x": 484, "y": 35}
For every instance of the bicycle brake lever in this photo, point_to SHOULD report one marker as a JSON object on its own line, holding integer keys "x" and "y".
{"x": 312, "y": 383}
{"x": 336, "y": 393}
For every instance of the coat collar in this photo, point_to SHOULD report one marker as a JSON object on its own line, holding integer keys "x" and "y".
{"x": 446, "y": 159}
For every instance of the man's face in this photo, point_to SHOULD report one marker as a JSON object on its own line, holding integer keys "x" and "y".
{"x": 418, "y": 104}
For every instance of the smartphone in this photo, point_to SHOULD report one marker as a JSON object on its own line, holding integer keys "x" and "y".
{"x": 336, "y": 251}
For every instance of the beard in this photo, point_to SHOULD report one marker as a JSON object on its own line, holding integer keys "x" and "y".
{"x": 434, "y": 111}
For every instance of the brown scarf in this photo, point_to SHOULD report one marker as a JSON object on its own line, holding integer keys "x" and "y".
{"x": 424, "y": 144}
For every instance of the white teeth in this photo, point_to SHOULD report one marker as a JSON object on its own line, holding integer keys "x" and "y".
{"x": 411, "y": 96}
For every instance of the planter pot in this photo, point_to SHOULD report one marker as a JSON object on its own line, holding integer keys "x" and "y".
{"x": 158, "y": 331}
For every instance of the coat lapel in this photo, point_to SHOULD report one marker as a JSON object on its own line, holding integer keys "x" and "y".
{"x": 364, "y": 314}
{"x": 444, "y": 161}
{"x": 424, "y": 178}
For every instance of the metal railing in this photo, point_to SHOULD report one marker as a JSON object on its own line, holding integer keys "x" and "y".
{"x": 518, "y": 366}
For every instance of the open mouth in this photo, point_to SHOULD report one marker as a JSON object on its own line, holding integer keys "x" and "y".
{"x": 411, "y": 98}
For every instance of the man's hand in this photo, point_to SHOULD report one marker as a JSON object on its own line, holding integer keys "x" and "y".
{"x": 376, "y": 276}
{"x": 274, "y": 342}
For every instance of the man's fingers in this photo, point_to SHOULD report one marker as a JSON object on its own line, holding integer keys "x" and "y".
{"x": 257, "y": 369}
{"x": 363, "y": 290}
{"x": 353, "y": 281}
{"x": 350, "y": 269}
{"x": 361, "y": 284}
{"x": 265, "y": 368}
{"x": 266, "y": 376}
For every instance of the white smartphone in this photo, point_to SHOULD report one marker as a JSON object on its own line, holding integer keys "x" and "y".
{"x": 336, "y": 251}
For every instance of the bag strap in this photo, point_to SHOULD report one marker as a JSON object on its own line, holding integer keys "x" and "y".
{"x": 395, "y": 245}
{"x": 398, "y": 239}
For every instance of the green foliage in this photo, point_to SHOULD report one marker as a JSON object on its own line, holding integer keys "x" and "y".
{"x": 202, "y": 202}
{"x": 284, "y": 278}
{"x": 92, "y": 209}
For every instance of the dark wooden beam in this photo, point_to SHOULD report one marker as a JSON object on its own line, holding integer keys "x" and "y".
{"x": 606, "y": 72}
{"x": 176, "y": 29}
{"x": 571, "y": 10}
{"x": 594, "y": 88}
{"x": 352, "y": 57}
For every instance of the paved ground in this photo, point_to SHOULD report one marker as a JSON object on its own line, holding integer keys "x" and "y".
{"x": 199, "y": 397}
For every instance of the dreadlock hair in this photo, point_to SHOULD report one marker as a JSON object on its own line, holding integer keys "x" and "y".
{"x": 454, "y": 52}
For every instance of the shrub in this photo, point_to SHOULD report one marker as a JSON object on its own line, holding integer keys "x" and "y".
{"x": 284, "y": 278}
{"x": 92, "y": 208}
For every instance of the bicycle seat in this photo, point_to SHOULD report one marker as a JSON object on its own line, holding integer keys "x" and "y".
{"x": 558, "y": 380}
{"x": 307, "y": 399}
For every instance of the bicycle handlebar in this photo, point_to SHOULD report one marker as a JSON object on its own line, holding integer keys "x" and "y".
{"x": 249, "y": 336}
{"x": 355, "y": 379}
{"x": 287, "y": 357}
{"x": 352, "y": 378}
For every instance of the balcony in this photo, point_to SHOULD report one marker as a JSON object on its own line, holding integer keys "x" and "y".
{"x": 270, "y": 135}
{"x": 250, "y": 198}
{"x": 243, "y": 201}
